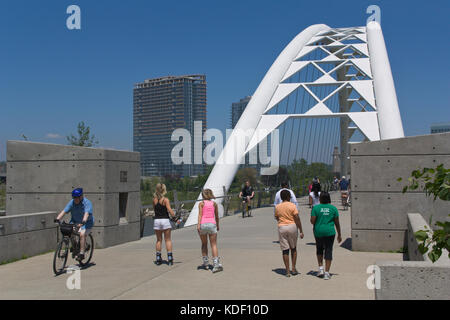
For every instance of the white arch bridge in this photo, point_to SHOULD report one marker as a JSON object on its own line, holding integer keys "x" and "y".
{"x": 335, "y": 80}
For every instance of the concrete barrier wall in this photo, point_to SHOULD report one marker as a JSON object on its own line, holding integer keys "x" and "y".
{"x": 41, "y": 177}
{"x": 415, "y": 223}
{"x": 408, "y": 280}
{"x": 379, "y": 208}
{"x": 418, "y": 278}
{"x": 27, "y": 235}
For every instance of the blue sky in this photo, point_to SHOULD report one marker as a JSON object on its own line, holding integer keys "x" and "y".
{"x": 51, "y": 77}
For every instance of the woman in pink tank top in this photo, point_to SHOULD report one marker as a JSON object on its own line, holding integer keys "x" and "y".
{"x": 208, "y": 225}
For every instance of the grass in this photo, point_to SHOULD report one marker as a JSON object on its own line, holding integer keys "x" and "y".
{"x": 24, "y": 257}
{"x": 401, "y": 250}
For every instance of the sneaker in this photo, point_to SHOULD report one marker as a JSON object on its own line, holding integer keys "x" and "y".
{"x": 217, "y": 268}
{"x": 321, "y": 273}
{"x": 326, "y": 276}
{"x": 80, "y": 257}
{"x": 170, "y": 259}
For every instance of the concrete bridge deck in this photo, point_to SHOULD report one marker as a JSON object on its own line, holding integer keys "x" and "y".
{"x": 250, "y": 254}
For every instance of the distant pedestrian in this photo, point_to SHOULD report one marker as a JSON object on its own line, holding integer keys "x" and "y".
{"x": 325, "y": 218}
{"x": 335, "y": 183}
{"x": 208, "y": 225}
{"x": 161, "y": 222}
{"x": 286, "y": 214}
{"x": 315, "y": 194}
{"x": 284, "y": 186}
{"x": 309, "y": 194}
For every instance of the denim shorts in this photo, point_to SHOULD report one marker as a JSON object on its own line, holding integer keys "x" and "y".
{"x": 208, "y": 228}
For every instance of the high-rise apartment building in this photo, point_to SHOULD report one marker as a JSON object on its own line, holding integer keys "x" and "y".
{"x": 160, "y": 106}
{"x": 237, "y": 108}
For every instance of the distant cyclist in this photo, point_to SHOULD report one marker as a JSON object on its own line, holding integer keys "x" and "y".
{"x": 247, "y": 193}
{"x": 81, "y": 211}
{"x": 343, "y": 184}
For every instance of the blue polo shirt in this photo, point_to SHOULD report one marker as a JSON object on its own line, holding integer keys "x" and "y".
{"x": 344, "y": 184}
{"x": 78, "y": 211}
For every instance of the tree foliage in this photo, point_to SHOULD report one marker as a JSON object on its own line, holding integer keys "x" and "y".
{"x": 83, "y": 138}
{"x": 436, "y": 183}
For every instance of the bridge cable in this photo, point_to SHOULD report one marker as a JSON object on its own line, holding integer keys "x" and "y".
{"x": 292, "y": 120}
{"x": 301, "y": 119}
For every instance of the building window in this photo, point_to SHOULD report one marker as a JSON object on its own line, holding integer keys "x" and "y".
{"x": 123, "y": 176}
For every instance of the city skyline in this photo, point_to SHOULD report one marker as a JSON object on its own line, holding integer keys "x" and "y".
{"x": 56, "y": 77}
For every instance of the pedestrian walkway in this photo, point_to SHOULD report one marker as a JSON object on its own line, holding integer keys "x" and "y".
{"x": 249, "y": 251}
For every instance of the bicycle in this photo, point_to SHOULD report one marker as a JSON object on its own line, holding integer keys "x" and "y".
{"x": 349, "y": 199}
{"x": 246, "y": 207}
{"x": 345, "y": 199}
{"x": 70, "y": 243}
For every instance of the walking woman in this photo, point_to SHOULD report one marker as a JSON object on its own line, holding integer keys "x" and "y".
{"x": 208, "y": 225}
{"x": 286, "y": 214}
{"x": 325, "y": 218}
{"x": 315, "y": 194}
{"x": 161, "y": 222}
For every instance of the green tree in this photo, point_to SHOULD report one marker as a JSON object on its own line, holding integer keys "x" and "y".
{"x": 244, "y": 174}
{"x": 84, "y": 138}
{"x": 434, "y": 182}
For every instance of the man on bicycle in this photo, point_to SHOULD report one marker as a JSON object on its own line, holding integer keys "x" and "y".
{"x": 81, "y": 210}
{"x": 247, "y": 193}
{"x": 344, "y": 186}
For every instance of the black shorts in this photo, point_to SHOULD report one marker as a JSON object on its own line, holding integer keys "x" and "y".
{"x": 325, "y": 244}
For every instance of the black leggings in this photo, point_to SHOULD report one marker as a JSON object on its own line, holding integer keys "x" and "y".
{"x": 325, "y": 243}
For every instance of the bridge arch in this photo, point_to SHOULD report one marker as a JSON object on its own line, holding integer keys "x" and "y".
{"x": 349, "y": 80}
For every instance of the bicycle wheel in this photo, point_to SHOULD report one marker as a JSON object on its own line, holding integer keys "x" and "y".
{"x": 88, "y": 251}
{"x": 60, "y": 257}
{"x": 243, "y": 209}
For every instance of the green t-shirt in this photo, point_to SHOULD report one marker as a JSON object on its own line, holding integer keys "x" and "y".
{"x": 324, "y": 226}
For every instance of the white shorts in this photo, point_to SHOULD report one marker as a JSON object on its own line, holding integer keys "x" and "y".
{"x": 85, "y": 231}
{"x": 161, "y": 224}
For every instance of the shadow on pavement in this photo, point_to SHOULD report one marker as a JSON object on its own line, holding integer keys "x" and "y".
{"x": 90, "y": 264}
{"x": 310, "y": 243}
{"x": 167, "y": 262}
{"x": 201, "y": 267}
{"x": 347, "y": 244}
{"x": 315, "y": 273}
{"x": 280, "y": 271}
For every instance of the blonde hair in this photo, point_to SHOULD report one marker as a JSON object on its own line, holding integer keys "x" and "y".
{"x": 207, "y": 194}
{"x": 160, "y": 191}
